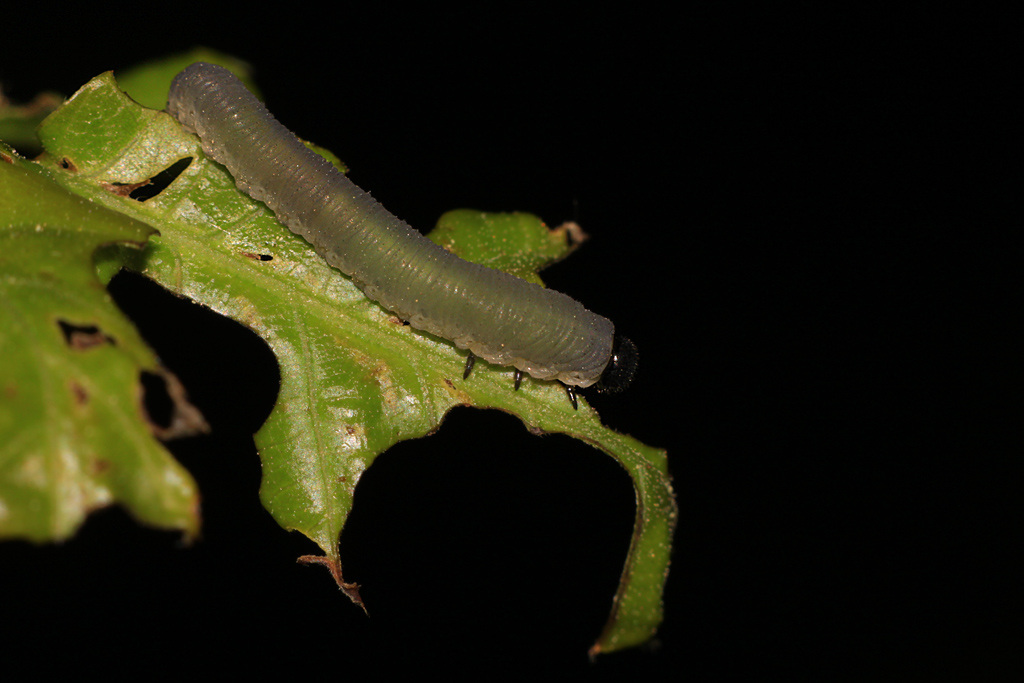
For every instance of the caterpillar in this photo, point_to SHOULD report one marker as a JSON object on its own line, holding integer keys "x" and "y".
{"x": 496, "y": 316}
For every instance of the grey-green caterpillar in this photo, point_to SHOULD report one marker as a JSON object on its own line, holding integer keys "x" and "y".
{"x": 498, "y": 317}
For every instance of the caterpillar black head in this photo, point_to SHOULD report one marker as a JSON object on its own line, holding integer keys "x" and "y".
{"x": 618, "y": 374}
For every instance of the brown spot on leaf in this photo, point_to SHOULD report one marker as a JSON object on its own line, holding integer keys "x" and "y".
{"x": 6, "y": 157}
{"x": 68, "y": 165}
{"x": 257, "y": 257}
{"x": 79, "y": 393}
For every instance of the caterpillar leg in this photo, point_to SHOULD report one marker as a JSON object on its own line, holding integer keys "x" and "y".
{"x": 470, "y": 361}
{"x": 572, "y": 396}
{"x": 519, "y": 378}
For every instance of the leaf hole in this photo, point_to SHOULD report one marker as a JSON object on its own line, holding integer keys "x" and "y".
{"x": 83, "y": 336}
{"x": 257, "y": 257}
{"x": 156, "y": 400}
{"x": 167, "y": 409}
{"x": 67, "y": 164}
{"x": 160, "y": 181}
{"x": 230, "y": 372}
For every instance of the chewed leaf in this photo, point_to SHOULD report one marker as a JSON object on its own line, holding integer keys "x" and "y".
{"x": 73, "y": 428}
{"x": 354, "y": 378}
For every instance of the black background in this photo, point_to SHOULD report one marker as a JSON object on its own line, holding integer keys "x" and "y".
{"x": 804, "y": 218}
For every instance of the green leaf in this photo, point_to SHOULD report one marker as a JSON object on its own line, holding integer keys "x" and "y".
{"x": 517, "y": 243}
{"x": 354, "y": 378}
{"x": 74, "y": 431}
